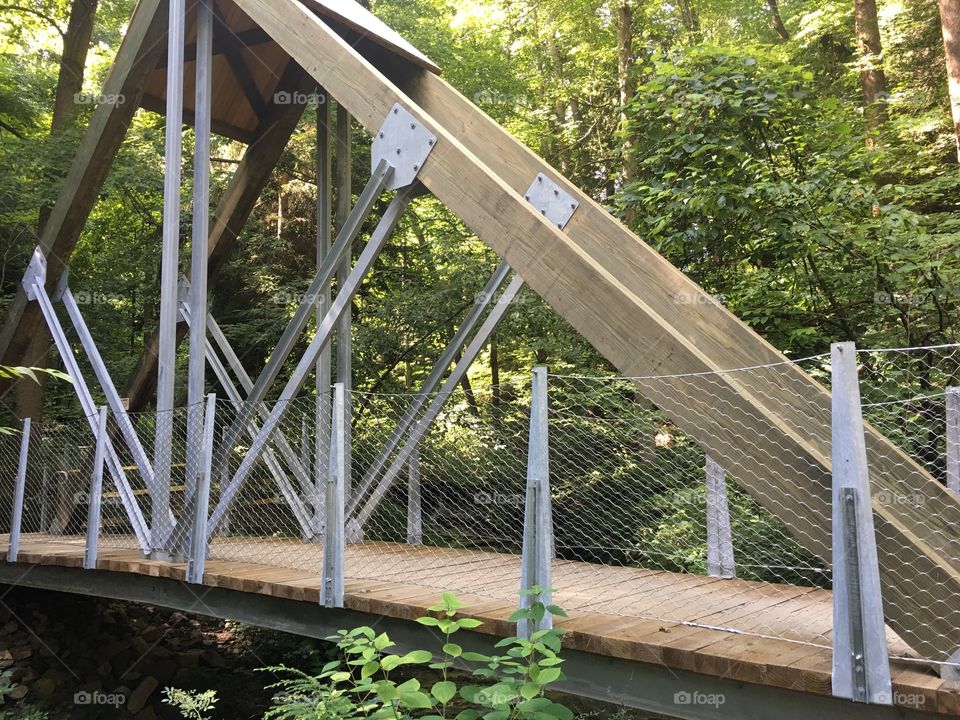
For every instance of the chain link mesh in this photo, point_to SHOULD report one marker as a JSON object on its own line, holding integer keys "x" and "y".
{"x": 630, "y": 489}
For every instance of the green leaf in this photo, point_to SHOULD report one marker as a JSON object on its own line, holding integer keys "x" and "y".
{"x": 528, "y": 691}
{"x": 416, "y": 657}
{"x": 428, "y": 621}
{"x": 369, "y": 669}
{"x": 444, "y": 691}
{"x": 548, "y": 675}
{"x": 453, "y": 650}
{"x": 469, "y": 623}
{"x": 415, "y": 700}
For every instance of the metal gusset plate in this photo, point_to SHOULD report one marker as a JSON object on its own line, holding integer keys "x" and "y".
{"x": 551, "y": 200}
{"x": 405, "y": 143}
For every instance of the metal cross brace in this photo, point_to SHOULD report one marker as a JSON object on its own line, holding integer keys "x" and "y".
{"x": 34, "y": 283}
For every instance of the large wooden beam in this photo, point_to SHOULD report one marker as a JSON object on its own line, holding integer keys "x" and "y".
{"x": 231, "y": 215}
{"x": 785, "y": 390}
{"x": 769, "y": 429}
{"x": 136, "y": 59}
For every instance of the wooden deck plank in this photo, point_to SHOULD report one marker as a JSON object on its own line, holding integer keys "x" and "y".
{"x": 696, "y": 623}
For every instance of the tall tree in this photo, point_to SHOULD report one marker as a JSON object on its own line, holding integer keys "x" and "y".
{"x": 873, "y": 82}
{"x": 627, "y": 88}
{"x": 773, "y": 8}
{"x": 73, "y": 61}
{"x": 950, "y": 26}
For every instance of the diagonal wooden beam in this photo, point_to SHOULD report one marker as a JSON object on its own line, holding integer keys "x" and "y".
{"x": 773, "y": 441}
{"x": 233, "y": 51}
{"x": 231, "y": 215}
{"x": 136, "y": 59}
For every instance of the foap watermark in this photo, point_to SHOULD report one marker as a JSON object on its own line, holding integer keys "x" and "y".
{"x": 695, "y": 697}
{"x": 94, "y": 297}
{"x": 97, "y": 697}
{"x": 297, "y": 97}
{"x": 893, "y": 499}
{"x": 495, "y": 298}
{"x": 491, "y": 98}
{"x": 283, "y": 297}
{"x": 498, "y": 498}
{"x": 902, "y": 699}
{"x": 698, "y": 298}
{"x": 898, "y": 299}
{"x": 110, "y": 99}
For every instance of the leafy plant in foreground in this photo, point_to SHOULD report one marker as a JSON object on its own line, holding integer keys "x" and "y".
{"x": 365, "y": 684}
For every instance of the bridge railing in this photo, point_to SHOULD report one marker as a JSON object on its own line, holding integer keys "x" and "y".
{"x": 645, "y": 522}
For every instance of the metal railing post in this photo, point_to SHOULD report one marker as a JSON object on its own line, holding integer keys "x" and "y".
{"x": 953, "y": 438}
{"x": 861, "y": 667}
{"x": 18, "y": 492}
{"x": 537, "y": 554}
{"x": 720, "y": 560}
{"x": 198, "y": 539}
{"x": 96, "y": 493}
{"x": 334, "y": 545}
{"x": 414, "y": 500}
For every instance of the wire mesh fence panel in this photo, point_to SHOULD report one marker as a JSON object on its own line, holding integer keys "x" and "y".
{"x": 275, "y": 516}
{"x": 904, "y": 396}
{"x": 641, "y": 513}
{"x": 629, "y": 491}
{"x": 55, "y": 484}
{"x": 461, "y": 528}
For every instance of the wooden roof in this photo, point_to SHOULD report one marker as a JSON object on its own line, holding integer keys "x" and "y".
{"x": 248, "y": 64}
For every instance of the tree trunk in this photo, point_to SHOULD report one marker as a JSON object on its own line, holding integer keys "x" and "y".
{"x": 872, "y": 80}
{"x": 950, "y": 25}
{"x": 689, "y": 17}
{"x": 627, "y": 88}
{"x": 76, "y": 45}
{"x": 773, "y": 7}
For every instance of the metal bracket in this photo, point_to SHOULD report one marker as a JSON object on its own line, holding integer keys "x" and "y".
{"x": 553, "y": 202}
{"x": 36, "y": 274}
{"x": 183, "y": 294}
{"x": 405, "y": 143}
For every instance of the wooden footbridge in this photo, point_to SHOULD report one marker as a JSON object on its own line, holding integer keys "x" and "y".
{"x": 643, "y": 641}
{"x": 882, "y": 644}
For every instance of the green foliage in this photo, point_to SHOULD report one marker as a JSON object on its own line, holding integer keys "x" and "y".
{"x": 764, "y": 193}
{"x": 365, "y": 684}
{"x": 191, "y": 705}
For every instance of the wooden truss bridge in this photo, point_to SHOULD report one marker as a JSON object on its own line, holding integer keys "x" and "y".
{"x": 882, "y": 644}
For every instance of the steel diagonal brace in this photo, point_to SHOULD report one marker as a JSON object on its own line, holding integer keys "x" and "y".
{"x": 34, "y": 283}
{"x": 140, "y": 458}
{"x": 234, "y": 396}
{"x": 246, "y": 384}
{"x": 324, "y": 332}
{"x": 351, "y": 228}
{"x": 355, "y": 526}
{"x": 439, "y": 369}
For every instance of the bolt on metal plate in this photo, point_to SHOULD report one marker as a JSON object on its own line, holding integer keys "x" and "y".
{"x": 405, "y": 143}
{"x": 552, "y": 201}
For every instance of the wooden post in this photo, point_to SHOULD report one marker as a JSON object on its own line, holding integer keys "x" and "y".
{"x": 169, "y": 271}
{"x": 197, "y": 364}
{"x": 861, "y": 668}
{"x": 535, "y": 567}
{"x": 19, "y": 489}
{"x": 95, "y": 496}
{"x": 334, "y": 545}
{"x": 720, "y": 559}
{"x": 199, "y": 544}
{"x": 414, "y": 500}
{"x": 953, "y": 438}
